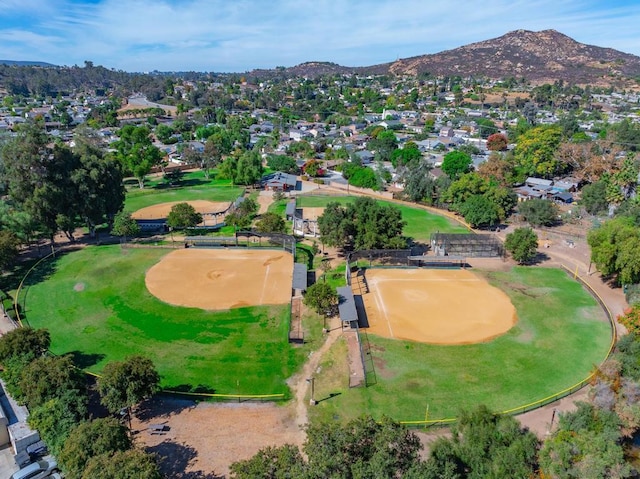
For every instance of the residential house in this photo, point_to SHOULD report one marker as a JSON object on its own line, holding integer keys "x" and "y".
{"x": 279, "y": 181}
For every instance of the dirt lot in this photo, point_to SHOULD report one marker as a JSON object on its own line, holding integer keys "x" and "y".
{"x": 222, "y": 278}
{"x": 162, "y": 210}
{"x": 201, "y": 440}
{"x": 426, "y": 305}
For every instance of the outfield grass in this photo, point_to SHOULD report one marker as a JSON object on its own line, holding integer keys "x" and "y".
{"x": 420, "y": 223}
{"x": 96, "y": 306}
{"x": 560, "y": 335}
{"x": 194, "y": 186}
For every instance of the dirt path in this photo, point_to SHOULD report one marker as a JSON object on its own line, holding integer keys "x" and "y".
{"x": 299, "y": 384}
{"x": 265, "y": 199}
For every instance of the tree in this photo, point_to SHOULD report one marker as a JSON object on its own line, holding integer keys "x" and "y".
{"x": 631, "y": 319}
{"x": 594, "y": 198}
{"x": 90, "y": 439}
{"x": 361, "y": 448}
{"x": 282, "y": 462}
{"x": 497, "y": 142}
{"x": 615, "y": 249}
{"x": 25, "y": 343}
{"x": 126, "y": 383}
{"x": 124, "y": 225}
{"x": 522, "y": 243}
{"x": 130, "y": 464}
{"x": 98, "y": 182}
{"x": 479, "y": 211}
{"x": 419, "y": 185}
{"x": 182, "y": 216}
{"x": 249, "y": 168}
{"x": 535, "y": 153}
{"x": 587, "y": 443}
{"x": 283, "y": 163}
{"x": 483, "y": 445}
{"x": 56, "y": 417}
{"x": 271, "y": 223}
{"x": 50, "y": 377}
{"x": 456, "y": 163}
{"x": 8, "y": 249}
{"x": 539, "y": 212}
{"x": 135, "y": 151}
{"x": 409, "y": 154}
{"x": 322, "y": 297}
{"x": 486, "y": 127}
{"x": 363, "y": 224}
{"x": 313, "y": 168}
{"x": 384, "y": 143}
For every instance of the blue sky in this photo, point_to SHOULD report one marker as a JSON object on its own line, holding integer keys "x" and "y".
{"x": 239, "y": 35}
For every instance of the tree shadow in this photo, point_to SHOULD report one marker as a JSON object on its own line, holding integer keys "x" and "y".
{"x": 162, "y": 406}
{"x": 85, "y": 360}
{"x": 174, "y": 458}
{"x": 538, "y": 259}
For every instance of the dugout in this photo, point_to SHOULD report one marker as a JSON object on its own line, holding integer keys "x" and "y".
{"x": 432, "y": 261}
{"x": 468, "y": 245}
{"x": 347, "y": 308}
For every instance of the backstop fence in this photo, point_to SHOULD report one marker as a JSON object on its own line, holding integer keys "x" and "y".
{"x": 468, "y": 245}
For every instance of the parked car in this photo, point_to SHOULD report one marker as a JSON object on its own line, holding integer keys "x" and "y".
{"x": 37, "y": 450}
{"x": 38, "y": 470}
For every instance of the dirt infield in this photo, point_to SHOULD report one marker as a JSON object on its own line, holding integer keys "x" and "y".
{"x": 435, "y": 306}
{"x": 162, "y": 210}
{"x": 216, "y": 279}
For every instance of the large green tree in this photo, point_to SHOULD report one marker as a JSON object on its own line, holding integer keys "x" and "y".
{"x": 522, "y": 244}
{"x": 50, "y": 377}
{"x": 538, "y": 212}
{"x": 321, "y": 297}
{"x": 615, "y": 249}
{"x": 483, "y": 445}
{"x": 479, "y": 211}
{"x": 9, "y": 243}
{"x": 126, "y": 383}
{"x": 130, "y": 464}
{"x": 456, "y": 163}
{"x": 363, "y": 224}
{"x": 136, "y": 152}
{"x": 586, "y": 444}
{"x": 271, "y": 223}
{"x": 124, "y": 225}
{"x": 182, "y": 216}
{"x": 90, "y": 439}
{"x": 535, "y": 153}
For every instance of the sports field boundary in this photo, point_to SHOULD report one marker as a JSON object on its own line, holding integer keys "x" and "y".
{"x": 426, "y": 423}
{"x": 21, "y": 321}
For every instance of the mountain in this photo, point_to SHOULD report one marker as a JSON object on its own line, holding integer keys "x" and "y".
{"x": 540, "y": 57}
{"x": 23, "y": 63}
{"x": 543, "y": 56}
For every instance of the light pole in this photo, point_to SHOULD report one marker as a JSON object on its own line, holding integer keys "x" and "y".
{"x": 312, "y": 381}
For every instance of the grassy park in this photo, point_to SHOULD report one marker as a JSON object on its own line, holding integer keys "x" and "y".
{"x": 96, "y": 306}
{"x": 560, "y": 335}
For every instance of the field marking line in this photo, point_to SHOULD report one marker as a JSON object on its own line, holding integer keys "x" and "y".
{"x": 264, "y": 284}
{"x": 432, "y": 280}
{"x": 383, "y": 310}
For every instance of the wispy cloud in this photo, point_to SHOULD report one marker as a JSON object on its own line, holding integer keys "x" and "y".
{"x": 224, "y": 35}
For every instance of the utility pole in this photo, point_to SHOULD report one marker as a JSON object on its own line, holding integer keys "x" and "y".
{"x": 312, "y": 381}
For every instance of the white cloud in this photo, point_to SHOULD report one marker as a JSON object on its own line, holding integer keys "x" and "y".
{"x": 223, "y": 35}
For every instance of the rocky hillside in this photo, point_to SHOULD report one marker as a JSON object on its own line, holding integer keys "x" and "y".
{"x": 539, "y": 57}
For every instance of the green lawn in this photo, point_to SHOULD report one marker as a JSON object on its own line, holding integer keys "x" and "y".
{"x": 194, "y": 186}
{"x": 96, "y": 306}
{"x": 420, "y": 223}
{"x": 560, "y": 335}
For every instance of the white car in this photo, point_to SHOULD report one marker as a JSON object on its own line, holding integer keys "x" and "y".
{"x": 38, "y": 470}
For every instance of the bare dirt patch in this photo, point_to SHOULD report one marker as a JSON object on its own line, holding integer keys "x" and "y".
{"x": 312, "y": 213}
{"x": 162, "y": 210}
{"x": 436, "y": 306}
{"x": 204, "y": 439}
{"x": 78, "y": 287}
{"x": 216, "y": 279}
